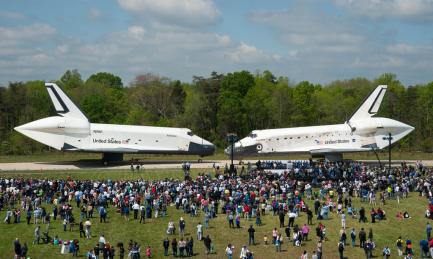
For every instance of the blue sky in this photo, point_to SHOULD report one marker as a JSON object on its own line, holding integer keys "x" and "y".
{"x": 315, "y": 40}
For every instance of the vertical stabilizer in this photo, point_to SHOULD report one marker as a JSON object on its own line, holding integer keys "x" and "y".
{"x": 63, "y": 105}
{"x": 371, "y": 105}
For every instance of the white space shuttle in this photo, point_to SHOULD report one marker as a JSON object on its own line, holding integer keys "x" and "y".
{"x": 72, "y": 131}
{"x": 362, "y": 132}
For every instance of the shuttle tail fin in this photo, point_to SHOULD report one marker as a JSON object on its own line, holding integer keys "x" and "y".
{"x": 63, "y": 105}
{"x": 371, "y": 104}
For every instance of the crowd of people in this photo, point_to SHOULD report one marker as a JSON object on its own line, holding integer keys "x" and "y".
{"x": 330, "y": 186}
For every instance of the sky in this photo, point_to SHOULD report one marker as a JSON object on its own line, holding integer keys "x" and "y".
{"x": 315, "y": 40}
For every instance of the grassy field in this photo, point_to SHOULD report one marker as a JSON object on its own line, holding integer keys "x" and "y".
{"x": 76, "y": 156}
{"x": 148, "y": 174}
{"x": 153, "y": 232}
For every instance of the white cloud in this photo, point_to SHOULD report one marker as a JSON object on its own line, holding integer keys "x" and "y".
{"x": 409, "y": 10}
{"x": 11, "y": 15}
{"x": 136, "y": 32}
{"x": 63, "y": 49}
{"x": 224, "y": 39}
{"x": 168, "y": 50}
{"x": 245, "y": 53}
{"x": 306, "y": 28}
{"x": 95, "y": 14}
{"x": 33, "y": 31}
{"x": 322, "y": 46}
{"x": 27, "y": 61}
{"x": 312, "y": 45}
{"x": 179, "y": 12}
{"x": 401, "y": 48}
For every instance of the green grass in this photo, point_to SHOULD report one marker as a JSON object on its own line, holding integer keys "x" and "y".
{"x": 153, "y": 232}
{"x": 148, "y": 174}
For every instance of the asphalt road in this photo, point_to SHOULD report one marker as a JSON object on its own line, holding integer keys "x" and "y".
{"x": 36, "y": 166}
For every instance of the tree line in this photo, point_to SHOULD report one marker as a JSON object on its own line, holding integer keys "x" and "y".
{"x": 213, "y": 106}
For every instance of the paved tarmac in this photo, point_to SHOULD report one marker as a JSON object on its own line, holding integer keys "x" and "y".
{"x": 36, "y": 166}
{"x": 77, "y": 165}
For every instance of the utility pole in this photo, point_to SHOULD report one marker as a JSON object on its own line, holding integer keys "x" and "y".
{"x": 232, "y": 138}
{"x": 389, "y": 138}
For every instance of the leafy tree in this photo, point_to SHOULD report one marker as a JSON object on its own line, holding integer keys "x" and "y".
{"x": 105, "y": 79}
{"x": 304, "y": 104}
{"x": 282, "y": 103}
{"x": 2, "y": 112}
{"x": 213, "y": 106}
{"x": 71, "y": 79}
{"x": 201, "y": 106}
{"x": 268, "y": 76}
{"x": 239, "y": 82}
{"x": 160, "y": 98}
{"x": 258, "y": 103}
{"x": 231, "y": 111}
{"x": 177, "y": 98}
{"x": 105, "y": 105}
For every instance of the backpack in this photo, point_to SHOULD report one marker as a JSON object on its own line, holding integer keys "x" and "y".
{"x": 340, "y": 247}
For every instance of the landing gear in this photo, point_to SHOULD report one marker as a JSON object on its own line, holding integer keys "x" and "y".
{"x": 200, "y": 160}
{"x": 108, "y": 158}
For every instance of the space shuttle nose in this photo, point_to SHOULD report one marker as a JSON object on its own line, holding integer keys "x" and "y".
{"x": 404, "y": 127}
{"x": 408, "y": 127}
{"x": 27, "y": 126}
{"x": 20, "y": 128}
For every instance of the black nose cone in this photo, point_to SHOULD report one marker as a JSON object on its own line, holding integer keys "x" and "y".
{"x": 201, "y": 150}
{"x": 241, "y": 151}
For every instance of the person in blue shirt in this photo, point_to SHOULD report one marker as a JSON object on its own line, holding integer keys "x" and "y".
{"x": 428, "y": 230}
{"x": 353, "y": 236}
{"x": 423, "y": 244}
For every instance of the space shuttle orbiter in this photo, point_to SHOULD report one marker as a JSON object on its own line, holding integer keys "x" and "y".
{"x": 72, "y": 131}
{"x": 362, "y": 132}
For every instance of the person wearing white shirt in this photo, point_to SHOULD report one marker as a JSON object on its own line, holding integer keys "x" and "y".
{"x": 135, "y": 207}
{"x": 292, "y": 217}
{"x": 199, "y": 231}
{"x": 229, "y": 251}
{"x": 101, "y": 241}
{"x": 87, "y": 226}
{"x": 343, "y": 220}
{"x": 244, "y": 252}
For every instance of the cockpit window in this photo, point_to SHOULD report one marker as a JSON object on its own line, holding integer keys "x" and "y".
{"x": 190, "y": 133}
{"x": 252, "y": 135}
